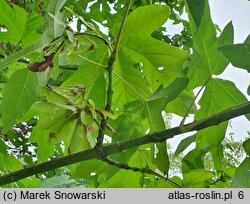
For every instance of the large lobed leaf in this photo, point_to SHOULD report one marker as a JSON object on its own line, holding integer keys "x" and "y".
{"x": 143, "y": 64}
{"x": 140, "y": 56}
{"x": 52, "y": 29}
{"x": 206, "y": 60}
{"x": 21, "y": 26}
{"x": 216, "y": 98}
{"x": 18, "y": 96}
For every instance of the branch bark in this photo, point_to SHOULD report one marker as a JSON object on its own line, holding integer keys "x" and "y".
{"x": 95, "y": 153}
{"x": 145, "y": 170}
{"x": 110, "y": 68}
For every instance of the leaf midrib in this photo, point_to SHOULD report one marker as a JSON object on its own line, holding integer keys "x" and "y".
{"x": 22, "y": 91}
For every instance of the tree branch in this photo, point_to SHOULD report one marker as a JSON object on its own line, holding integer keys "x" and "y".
{"x": 111, "y": 61}
{"x": 142, "y": 170}
{"x": 216, "y": 119}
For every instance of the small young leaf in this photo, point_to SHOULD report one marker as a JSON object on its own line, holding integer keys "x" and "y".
{"x": 44, "y": 107}
{"x": 55, "y": 119}
{"x": 52, "y": 96}
{"x": 217, "y": 156}
{"x": 62, "y": 181}
{"x": 79, "y": 141}
{"x": 65, "y": 133}
{"x": 91, "y": 107}
{"x": 184, "y": 144}
{"x": 192, "y": 160}
{"x": 181, "y": 104}
{"x": 70, "y": 36}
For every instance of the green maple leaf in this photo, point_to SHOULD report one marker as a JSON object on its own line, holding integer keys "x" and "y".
{"x": 143, "y": 62}
{"x": 20, "y": 26}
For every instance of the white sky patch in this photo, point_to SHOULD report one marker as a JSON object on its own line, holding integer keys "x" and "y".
{"x": 102, "y": 28}
{"x": 90, "y": 4}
